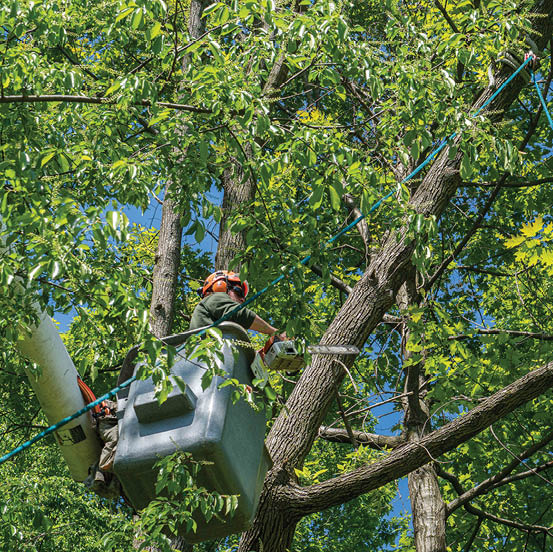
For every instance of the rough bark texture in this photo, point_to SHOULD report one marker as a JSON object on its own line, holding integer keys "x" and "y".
{"x": 293, "y": 433}
{"x": 166, "y": 269}
{"x": 428, "y": 510}
{"x": 427, "y": 506}
{"x": 379, "y": 442}
{"x": 239, "y": 192}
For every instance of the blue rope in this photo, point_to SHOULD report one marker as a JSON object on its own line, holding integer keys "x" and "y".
{"x": 303, "y": 262}
{"x": 530, "y": 57}
{"x": 542, "y": 100}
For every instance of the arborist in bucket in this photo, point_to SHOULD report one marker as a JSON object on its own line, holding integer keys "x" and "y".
{"x": 220, "y": 293}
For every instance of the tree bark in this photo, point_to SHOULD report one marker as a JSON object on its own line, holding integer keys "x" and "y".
{"x": 239, "y": 192}
{"x": 378, "y": 442}
{"x": 166, "y": 269}
{"x": 427, "y": 506}
{"x": 428, "y": 510}
{"x": 362, "y": 225}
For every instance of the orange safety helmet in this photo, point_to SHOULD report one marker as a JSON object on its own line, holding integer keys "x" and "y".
{"x": 223, "y": 280}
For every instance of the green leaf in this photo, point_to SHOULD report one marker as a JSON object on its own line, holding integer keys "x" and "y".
{"x": 317, "y": 194}
{"x": 137, "y": 19}
{"x": 34, "y": 272}
{"x": 155, "y": 30}
{"x": 47, "y": 158}
{"x": 466, "y": 168}
{"x": 112, "y": 218}
{"x": 204, "y": 151}
{"x": 200, "y": 232}
{"x": 123, "y": 13}
{"x": 335, "y": 191}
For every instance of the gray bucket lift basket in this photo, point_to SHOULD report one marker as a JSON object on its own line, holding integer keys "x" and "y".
{"x": 206, "y": 424}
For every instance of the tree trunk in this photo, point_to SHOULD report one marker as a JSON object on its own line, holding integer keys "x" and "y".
{"x": 428, "y": 510}
{"x": 239, "y": 192}
{"x": 166, "y": 269}
{"x": 427, "y": 506}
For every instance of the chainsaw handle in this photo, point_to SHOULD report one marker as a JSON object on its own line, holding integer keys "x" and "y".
{"x": 275, "y": 338}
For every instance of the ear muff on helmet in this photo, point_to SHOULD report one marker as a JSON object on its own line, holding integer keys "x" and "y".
{"x": 222, "y": 281}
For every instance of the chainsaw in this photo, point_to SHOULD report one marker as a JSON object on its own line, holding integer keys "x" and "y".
{"x": 284, "y": 356}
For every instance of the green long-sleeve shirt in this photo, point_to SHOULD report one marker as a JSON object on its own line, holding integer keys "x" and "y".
{"x": 216, "y": 305}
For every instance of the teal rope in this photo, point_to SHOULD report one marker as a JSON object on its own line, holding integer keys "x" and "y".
{"x": 542, "y": 100}
{"x": 530, "y": 57}
{"x": 303, "y": 262}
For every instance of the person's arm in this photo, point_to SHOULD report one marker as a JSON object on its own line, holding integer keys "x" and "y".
{"x": 259, "y": 325}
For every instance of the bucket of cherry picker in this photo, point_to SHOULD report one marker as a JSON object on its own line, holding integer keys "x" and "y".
{"x": 226, "y": 436}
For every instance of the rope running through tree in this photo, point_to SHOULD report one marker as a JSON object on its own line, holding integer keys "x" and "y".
{"x": 528, "y": 58}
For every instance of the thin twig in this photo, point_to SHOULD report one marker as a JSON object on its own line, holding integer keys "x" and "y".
{"x": 35, "y": 98}
{"x": 338, "y": 361}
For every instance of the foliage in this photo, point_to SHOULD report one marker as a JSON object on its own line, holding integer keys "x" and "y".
{"x": 369, "y": 89}
{"x": 41, "y": 508}
{"x": 180, "y": 500}
{"x": 349, "y": 524}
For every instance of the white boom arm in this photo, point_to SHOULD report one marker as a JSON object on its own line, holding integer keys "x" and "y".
{"x": 59, "y": 396}
{"x": 58, "y": 392}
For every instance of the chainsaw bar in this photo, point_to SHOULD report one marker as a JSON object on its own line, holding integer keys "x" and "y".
{"x": 333, "y": 349}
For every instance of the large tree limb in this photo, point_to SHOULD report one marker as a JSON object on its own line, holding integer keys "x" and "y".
{"x": 497, "y": 331}
{"x": 166, "y": 268}
{"x": 509, "y": 184}
{"x": 427, "y": 505}
{"x": 306, "y": 500}
{"x": 372, "y": 440}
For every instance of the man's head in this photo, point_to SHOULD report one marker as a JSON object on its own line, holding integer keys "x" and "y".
{"x": 226, "y": 282}
{"x": 236, "y": 293}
